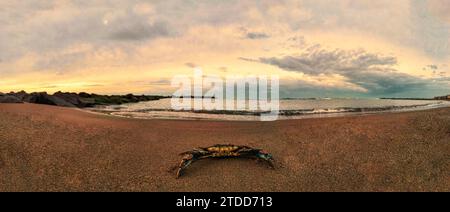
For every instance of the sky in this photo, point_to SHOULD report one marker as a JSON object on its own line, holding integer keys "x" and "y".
{"x": 318, "y": 48}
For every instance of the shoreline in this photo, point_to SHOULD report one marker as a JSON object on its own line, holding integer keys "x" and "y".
{"x": 348, "y": 112}
{"x": 49, "y": 148}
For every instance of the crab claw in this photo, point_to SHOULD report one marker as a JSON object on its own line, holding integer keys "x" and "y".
{"x": 266, "y": 157}
{"x": 270, "y": 162}
{"x": 185, "y": 162}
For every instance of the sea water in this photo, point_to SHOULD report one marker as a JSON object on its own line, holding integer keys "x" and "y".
{"x": 289, "y": 109}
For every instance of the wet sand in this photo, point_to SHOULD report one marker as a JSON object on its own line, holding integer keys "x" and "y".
{"x": 48, "y": 148}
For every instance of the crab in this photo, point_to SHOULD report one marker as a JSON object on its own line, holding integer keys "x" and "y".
{"x": 222, "y": 151}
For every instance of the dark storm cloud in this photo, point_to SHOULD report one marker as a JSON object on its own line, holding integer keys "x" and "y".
{"x": 385, "y": 82}
{"x": 373, "y": 72}
{"x": 316, "y": 61}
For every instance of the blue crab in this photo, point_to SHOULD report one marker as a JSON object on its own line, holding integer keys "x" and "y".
{"x": 222, "y": 151}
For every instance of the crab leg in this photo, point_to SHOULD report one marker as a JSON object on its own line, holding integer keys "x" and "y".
{"x": 184, "y": 164}
{"x": 187, "y": 161}
{"x": 270, "y": 162}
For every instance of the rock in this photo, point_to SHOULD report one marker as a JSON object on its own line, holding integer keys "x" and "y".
{"x": 84, "y": 95}
{"x": 71, "y": 98}
{"x": 9, "y": 99}
{"x": 21, "y": 95}
{"x": 131, "y": 98}
{"x": 60, "y": 102}
{"x": 44, "y": 98}
{"x": 80, "y": 100}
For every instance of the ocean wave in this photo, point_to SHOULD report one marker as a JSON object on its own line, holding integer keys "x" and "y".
{"x": 288, "y": 113}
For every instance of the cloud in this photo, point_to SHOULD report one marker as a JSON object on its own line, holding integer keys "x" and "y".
{"x": 36, "y": 36}
{"x": 47, "y": 86}
{"x": 373, "y": 73}
{"x": 440, "y": 9}
{"x": 160, "y": 82}
{"x": 41, "y": 26}
{"x": 248, "y": 59}
{"x": 256, "y": 35}
{"x": 316, "y": 60}
{"x": 190, "y": 65}
{"x": 139, "y": 31}
{"x": 55, "y": 25}
{"x": 223, "y": 69}
{"x": 430, "y": 67}
{"x": 446, "y": 79}
{"x": 62, "y": 61}
{"x": 433, "y": 67}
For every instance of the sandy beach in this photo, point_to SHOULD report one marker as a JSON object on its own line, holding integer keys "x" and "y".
{"x": 49, "y": 148}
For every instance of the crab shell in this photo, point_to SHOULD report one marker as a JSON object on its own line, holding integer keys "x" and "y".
{"x": 222, "y": 148}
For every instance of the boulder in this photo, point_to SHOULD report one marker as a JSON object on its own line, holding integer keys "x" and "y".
{"x": 44, "y": 98}
{"x": 131, "y": 98}
{"x": 80, "y": 100}
{"x": 84, "y": 95}
{"x": 9, "y": 99}
{"x": 20, "y": 95}
{"x": 71, "y": 98}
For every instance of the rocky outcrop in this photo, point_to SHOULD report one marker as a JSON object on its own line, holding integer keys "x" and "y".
{"x": 44, "y": 98}
{"x": 79, "y": 100}
{"x": 9, "y": 99}
{"x": 20, "y": 95}
{"x": 74, "y": 99}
